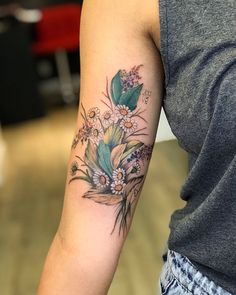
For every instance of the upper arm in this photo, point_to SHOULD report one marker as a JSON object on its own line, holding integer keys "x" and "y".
{"x": 116, "y": 35}
{"x": 121, "y": 71}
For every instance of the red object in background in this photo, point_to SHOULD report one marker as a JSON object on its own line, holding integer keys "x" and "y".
{"x": 57, "y": 33}
{"x": 58, "y": 29}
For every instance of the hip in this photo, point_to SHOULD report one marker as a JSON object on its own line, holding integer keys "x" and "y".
{"x": 179, "y": 276}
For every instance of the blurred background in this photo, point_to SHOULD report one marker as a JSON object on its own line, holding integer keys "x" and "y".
{"x": 39, "y": 86}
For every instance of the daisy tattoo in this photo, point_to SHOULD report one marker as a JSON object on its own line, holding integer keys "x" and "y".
{"x": 114, "y": 158}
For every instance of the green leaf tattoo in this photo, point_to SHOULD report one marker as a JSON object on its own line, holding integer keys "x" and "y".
{"x": 130, "y": 98}
{"x": 104, "y": 155}
{"x": 116, "y": 88}
{"x": 114, "y": 156}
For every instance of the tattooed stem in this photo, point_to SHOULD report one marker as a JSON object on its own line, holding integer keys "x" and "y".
{"x": 81, "y": 160}
{"x": 82, "y": 172}
{"x": 107, "y": 95}
{"x": 107, "y": 105}
{"x": 137, "y": 114}
{"x": 79, "y": 178}
{"x": 85, "y": 116}
{"x": 107, "y": 91}
{"x": 140, "y": 118}
{"x": 135, "y": 133}
{"x": 101, "y": 123}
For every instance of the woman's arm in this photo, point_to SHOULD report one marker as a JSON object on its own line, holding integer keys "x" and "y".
{"x": 120, "y": 101}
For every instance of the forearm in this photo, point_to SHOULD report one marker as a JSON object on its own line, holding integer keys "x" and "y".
{"x": 76, "y": 272}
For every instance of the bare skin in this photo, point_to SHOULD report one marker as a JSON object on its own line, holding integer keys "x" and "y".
{"x": 120, "y": 101}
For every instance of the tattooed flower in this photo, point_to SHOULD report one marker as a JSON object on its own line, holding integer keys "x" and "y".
{"x": 85, "y": 132}
{"x": 107, "y": 118}
{"x": 143, "y": 153}
{"x": 132, "y": 167}
{"x": 130, "y": 79}
{"x": 146, "y": 152}
{"x": 74, "y": 168}
{"x": 122, "y": 112}
{"x": 118, "y": 174}
{"x": 100, "y": 179}
{"x": 128, "y": 125}
{"x": 96, "y": 134}
{"x": 75, "y": 141}
{"x": 117, "y": 187}
{"x": 136, "y": 168}
{"x": 93, "y": 114}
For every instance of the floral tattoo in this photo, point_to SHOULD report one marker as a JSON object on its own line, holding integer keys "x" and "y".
{"x": 114, "y": 157}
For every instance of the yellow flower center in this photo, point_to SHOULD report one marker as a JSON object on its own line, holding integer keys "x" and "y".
{"x": 107, "y": 116}
{"x": 95, "y": 132}
{"x": 123, "y": 112}
{"x": 118, "y": 187}
{"x": 102, "y": 180}
{"x": 92, "y": 114}
{"x": 128, "y": 125}
{"x": 119, "y": 175}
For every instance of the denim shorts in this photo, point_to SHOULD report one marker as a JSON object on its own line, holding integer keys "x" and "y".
{"x": 179, "y": 276}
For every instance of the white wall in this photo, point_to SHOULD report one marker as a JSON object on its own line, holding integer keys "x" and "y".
{"x": 164, "y": 132}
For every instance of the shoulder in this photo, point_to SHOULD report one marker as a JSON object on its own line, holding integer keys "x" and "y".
{"x": 155, "y": 22}
{"x": 136, "y": 16}
{"x": 152, "y": 20}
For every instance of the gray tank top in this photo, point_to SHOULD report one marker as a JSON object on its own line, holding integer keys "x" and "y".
{"x": 198, "y": 50}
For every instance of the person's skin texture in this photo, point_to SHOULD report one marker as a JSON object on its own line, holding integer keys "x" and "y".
{"x": 120, "y": 101}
